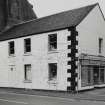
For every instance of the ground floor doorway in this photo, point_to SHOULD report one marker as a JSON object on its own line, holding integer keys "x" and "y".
{"x": 99, "y": 75}
{"x": 12, "y": 76}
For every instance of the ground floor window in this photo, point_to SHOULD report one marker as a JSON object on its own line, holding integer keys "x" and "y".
{"x": 86, "y": 75}
{"x": 27, "y": 72}
{"x": 52, "y": 71}
{"x": 92, "y": 75}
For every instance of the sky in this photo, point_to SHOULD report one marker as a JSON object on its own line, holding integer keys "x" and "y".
{"x": 48, "y": 7}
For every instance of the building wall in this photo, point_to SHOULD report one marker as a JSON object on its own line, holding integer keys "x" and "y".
{"x": 3, "y": 65}
{"x": 90, "y": 30}
{"x": 39, "y": 59}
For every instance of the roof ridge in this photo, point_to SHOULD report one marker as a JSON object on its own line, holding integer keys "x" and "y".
{"x": 25, "y": 22}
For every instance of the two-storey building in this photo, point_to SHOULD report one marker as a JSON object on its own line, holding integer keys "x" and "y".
{"x": 63, "y": 52}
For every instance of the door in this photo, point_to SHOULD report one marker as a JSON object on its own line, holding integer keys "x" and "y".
{"x": 12, "y": 76}
{"x": 96, "y": 75}
{"x": 102, "y": 75}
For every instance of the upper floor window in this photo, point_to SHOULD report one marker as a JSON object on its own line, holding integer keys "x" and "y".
{"x": 52, "y": 39}
{"x": 100, "y": 45}
{"x": 11, "y": 48}
{"x": 52, "y": 71}
{"x": 27, "y": 45}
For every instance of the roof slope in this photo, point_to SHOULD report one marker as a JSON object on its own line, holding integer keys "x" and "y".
{"x": 49, "y": 23}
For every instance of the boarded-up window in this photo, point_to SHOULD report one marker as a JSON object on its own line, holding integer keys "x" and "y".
{"x": 52, "y": 71}
{"x": 28, "y": 75}
{"x": 11, "y": 48}
{"x": 52, "y": 39}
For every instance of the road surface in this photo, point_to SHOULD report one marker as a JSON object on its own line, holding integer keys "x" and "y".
{"x": 23, "y": 99}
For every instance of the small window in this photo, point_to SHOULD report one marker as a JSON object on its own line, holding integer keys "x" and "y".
{"x": 11, "y": 48}
{"x": 27, "y": 43}
{"x": 100, "y": 45}
{"x": 52, "y": 42}
{"x": 52, "y": 71}
{"x": 28, "y": 76}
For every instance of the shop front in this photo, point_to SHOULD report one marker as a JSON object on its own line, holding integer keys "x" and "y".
{"x": 92, "y": 71}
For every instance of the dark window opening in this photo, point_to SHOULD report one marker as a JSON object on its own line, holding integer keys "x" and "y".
{"x": 52, "y": 42}
{"x": 100, "y": 45}
{"x": 27, "y": 72}
{"x": 52, "y": 71}
{"x": 27, "y": 43}
{"x": 11, "y": 48}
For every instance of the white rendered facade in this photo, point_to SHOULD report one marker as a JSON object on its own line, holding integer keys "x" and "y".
{"x": 89, "y": 32}
{"x": 39, "y": 57}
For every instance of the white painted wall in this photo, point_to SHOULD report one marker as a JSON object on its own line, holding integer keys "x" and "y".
{"x": 3, "y": 65}
{"x": 39, "y": 59}
{"x": 89, "y": 30}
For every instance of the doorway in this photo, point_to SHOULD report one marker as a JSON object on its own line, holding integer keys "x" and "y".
{"x": 96, "y": 75}
{"x": 12, "y": 76}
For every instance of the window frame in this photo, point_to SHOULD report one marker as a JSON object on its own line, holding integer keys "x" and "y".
{"x": 27, "y": 46}
{"x": 52, "y": 45}
{"x": 11, "y": 48}
{"x": 25, "y": 72}
{"x": 100, "y": 45}
{"x": 51, "y": 76}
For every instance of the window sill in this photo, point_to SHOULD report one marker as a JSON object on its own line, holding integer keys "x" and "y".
{"x": 27, "y": 81}
{"x": 27, "y": 54}
{"x": 11, "y": 55}
{"x": 52, "y": 81}
{"x": 53, "y": 51}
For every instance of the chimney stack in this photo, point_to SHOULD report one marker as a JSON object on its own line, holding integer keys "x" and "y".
{"x": 13, "y": 12}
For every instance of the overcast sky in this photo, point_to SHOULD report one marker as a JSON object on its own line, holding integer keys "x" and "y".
{"x": 48, "y": 7}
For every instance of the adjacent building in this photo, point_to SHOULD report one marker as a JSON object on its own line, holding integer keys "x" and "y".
{"x": 63, "y": 52}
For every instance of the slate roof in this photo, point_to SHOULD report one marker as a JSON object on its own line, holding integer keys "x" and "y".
{"x": 47, "y": 24}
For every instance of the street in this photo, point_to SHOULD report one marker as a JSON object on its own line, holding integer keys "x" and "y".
{"x": 24, "y": 99}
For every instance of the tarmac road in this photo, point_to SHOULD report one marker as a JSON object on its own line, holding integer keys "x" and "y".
{"x": 24, "y": 99}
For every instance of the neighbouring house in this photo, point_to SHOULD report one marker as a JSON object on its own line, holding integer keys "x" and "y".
{"x": 63, "y": 52}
